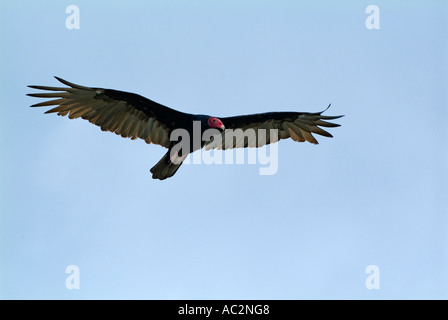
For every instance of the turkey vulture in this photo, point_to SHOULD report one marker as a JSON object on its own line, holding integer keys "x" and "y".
{"x": 133, "y": 116}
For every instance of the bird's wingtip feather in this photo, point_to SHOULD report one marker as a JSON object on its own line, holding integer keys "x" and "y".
{"x": 71, "y": 84}
{"x": 62, "y": 81}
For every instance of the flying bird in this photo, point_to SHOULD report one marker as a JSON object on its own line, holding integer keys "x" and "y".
{"x": 133, "y": 116}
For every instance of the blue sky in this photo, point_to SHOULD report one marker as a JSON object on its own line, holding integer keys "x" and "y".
{"x": 375, "y": 194}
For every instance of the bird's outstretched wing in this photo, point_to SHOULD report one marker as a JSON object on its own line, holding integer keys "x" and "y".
{"x": 126, "y": 114}
{"x": 244, "y": 131}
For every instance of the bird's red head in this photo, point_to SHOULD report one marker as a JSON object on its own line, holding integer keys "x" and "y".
{"x": 215, "y": 123}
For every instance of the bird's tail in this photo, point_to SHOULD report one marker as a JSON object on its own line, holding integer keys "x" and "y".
{"x": 165, "y": 168}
